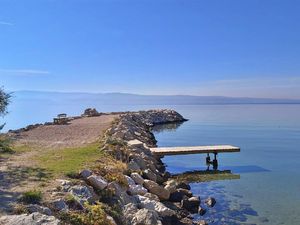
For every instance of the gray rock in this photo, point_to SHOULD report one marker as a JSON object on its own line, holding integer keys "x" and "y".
{"x": 130, "y": 181}
{"x": 137, "y": 189}
{"x": 121, "y": 193}
{"x": 135, "y": 143}
{"x": 31, "y": 219}
{"x": 201, "y": 211}
{"x": 145, "y": 217}
{"x": 97, "y": 182}
{"x": 152, "y": 196}
{"x": 159, "y": 207}
{"x": 82, "y": 194}
{"x": 129, "y": 211}
{"x": 148, "y": 174}
{"x": 59, "y": 205}
{"x": 32, "y": 208}
{"x": 171, "y": 186}
{"x": 191, "y": 204}
{"x": 154, "y": 188}
{"x": 184, "y": 186}
{"x": 133, "y": 166}
{"x": 137, "y": 178}
{"x": 210, "y": 202}
{"x": 85, "y": 173}
{"x": 201, "y": 222}
{"x": 179, "y": 194}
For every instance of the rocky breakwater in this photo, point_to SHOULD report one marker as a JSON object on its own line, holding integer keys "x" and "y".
{"x": 151, "y": 197}
{"x": 128, "y": 186}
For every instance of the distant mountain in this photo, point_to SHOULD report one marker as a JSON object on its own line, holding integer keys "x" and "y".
{"x": 126, "y": 99}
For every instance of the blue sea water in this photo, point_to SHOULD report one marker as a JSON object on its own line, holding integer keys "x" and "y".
{"x": 268, "y": 190}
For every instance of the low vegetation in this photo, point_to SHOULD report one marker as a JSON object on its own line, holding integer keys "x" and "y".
{"x": 31, "y": 197}
{"x": 95, "y": 214}
{"x": 69, "y": 160}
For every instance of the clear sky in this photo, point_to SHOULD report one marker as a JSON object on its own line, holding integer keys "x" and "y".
{"x": 199, "y": 47}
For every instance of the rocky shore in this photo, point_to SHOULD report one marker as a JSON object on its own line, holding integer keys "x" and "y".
{"x": 128, "y": 185}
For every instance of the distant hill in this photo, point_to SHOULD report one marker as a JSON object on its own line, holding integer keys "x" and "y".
{"x": 126, "y": 99}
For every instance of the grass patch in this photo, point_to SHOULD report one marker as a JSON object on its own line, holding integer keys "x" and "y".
{"x": 69, "y": 160}
{"x": 31, "y": 197}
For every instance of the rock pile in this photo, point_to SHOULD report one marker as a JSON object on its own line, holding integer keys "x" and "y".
{"x": 146, "y": 195}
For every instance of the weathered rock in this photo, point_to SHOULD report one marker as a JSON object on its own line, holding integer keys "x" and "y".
{"x": 135, "y": 143}
{"x": 184, "y": 186}
{"x": 82, "y": 194}
{"x": 97, "y": 182}
{"x": 191, "y": 204}
{"x": 210, "y": 202}
{"x": 59, "y": 205}
{"x": 137, "y": 178}
{"x": 121, "y": 193}
{"x": 139, "y": 161}
{"x": 85, "y": 173}
{"x": 151, "y": 196}
{"x": 129, "y": 211}
{"x": 111, "y": 220}
{"x": 130, "y": 181}
{"x": 154, "y": 188}
{"x": 179, "y": 194}
{"x": 148, "y": 174}
{"x": 133, "y": 166}
{"x": 171, "y": 186}
{"x": 201, "y": 222}
{"x": 145, "y": 217}
{"x": 32, "y": 208}
{"x": 159, "y": 207}
{"x": 201, "y": 211}
{"x": 137, "y": 189}
{"x": 32, "y": 219}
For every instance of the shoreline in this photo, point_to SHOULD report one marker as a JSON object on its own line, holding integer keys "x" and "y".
{"x": 143, "y": 191}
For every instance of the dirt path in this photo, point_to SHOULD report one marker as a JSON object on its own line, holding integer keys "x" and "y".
{"x": 19, "y": 173}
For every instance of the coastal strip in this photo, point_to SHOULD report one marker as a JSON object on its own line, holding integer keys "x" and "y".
{"x": 127, "y": 185}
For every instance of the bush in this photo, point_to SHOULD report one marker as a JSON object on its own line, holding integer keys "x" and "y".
{"x": 95, "y": 215}
{"x": 32, "y": 197}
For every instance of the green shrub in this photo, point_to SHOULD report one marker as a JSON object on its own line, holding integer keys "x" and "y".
{"x": 31, "y": 197}
{"x": 95, "y": 215}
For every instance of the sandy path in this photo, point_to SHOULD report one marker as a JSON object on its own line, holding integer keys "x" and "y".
{"x": 14, "y": 176}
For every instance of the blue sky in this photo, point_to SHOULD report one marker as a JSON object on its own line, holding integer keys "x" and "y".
{"x": 212, "y": 47}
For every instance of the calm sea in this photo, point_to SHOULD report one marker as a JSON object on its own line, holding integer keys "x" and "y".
{"x": 269, "y": 162}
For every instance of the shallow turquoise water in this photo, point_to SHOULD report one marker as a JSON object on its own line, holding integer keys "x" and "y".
{"x": 269, "y": 136}
{"x": 267, "y": 192}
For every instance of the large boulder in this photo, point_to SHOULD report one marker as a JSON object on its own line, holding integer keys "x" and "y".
{"x": 180, "y": 194}
{"x": 184, "y": 186}
{"x": 83, "y": 194}
{"x": 148, "y": 174}
{"x": 85, "y": 173}
{"x": 171, "y": 186}
{"x": 120, "y": 193}
{"x": 154, "y": 188}
{"x": 137, "y": 189}
{"x": 32, "y": 219}
{"x": 159, "y": 207}
{"x": 97, "y": 182}
{"x": 137, "y": 178}
{"x": 191, "y": 204}
{"x": 59, "y": 205}
{"x": 145, "y": 217}
{"x": 32, "y": 208}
